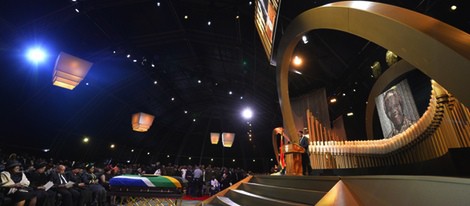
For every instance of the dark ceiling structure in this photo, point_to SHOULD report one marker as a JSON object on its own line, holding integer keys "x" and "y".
{"x": 194, "y": 65}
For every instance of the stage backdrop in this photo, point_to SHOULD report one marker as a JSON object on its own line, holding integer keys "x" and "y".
{"x": 316, "y": 102}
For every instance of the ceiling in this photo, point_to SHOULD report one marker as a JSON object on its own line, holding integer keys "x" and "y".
{"x": 148, "y": 57}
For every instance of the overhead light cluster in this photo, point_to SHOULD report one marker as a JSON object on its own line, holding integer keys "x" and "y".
{"x": 250, "y": 131}
{"x": 76, "y": 6}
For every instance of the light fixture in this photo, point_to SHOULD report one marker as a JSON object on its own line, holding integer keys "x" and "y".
{"x": 230, "y": 92}
{"x": 194, "y": 120}
{"x": 241, "y": 97}
{"x": 128, "y": 56}
{"x": 199, "y": 81}
{"x": 350, "y": 114}
{"x": 233, "y": 160}
{"x": 297, "y": 72}
{"x": 128, "y": 161}
{"x": 46, "y": 150}
{"x": 167, "y": 156}
{"x": 135, "y": 60}
{"x": 254, "y": 160}
{"x": 215, "y": 137}
{"x": 247, "y": 113}
{"x": 304, "y": 39}
{"x": 227, "y": 139}
{"x": 185, "y": 16}
{"x": 132, "y": 150}
{"x": 112, "y": 146}
{"x": 297, "y": 61}
{"x": 212, "y": 159}
{"x": 172, "y": 99}
{"x": 209, "y": 23}
{"x": 344, "y": 94}
{"x": 332, "y": 100}
{"x": 153, "y": 65}
{"x": 189, "y": 158}
{"x": 76, "y": 10}
{"x": 158, "y": 3}
{"x": 86, "y": 140}
{"x": 453, "y": 7}
{"x": 36, "y": 55}
{"x": 148, "y": 153}
{"x": 237, "y": 17}
{"x": 155, "y": 82}
{"x": 69, "y": 71}
{"x": 185, "y": 111}
{"x": 141, "y": 122}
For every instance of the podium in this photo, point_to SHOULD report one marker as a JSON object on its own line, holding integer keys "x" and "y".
{"x": 293, "y": 156}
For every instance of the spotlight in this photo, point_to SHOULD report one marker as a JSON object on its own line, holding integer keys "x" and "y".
{"x": 36, "y": 55}
{"x": 332, "y": 100}
{"x": 112, "y": 146}
{"x": 304, "y": 39}
{"x": 297, "y": 61}
{"x": 247, "y": 113}
{"x": 86, "y": 140}
{"x": 453, "y": 7}
{"x": 209, "y": 23}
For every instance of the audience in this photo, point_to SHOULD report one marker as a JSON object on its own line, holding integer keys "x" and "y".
{"x": 24, "y": 180}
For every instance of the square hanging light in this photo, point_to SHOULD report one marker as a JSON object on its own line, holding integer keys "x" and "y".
{"x": 141, "y": 122}
{"x": 69, "y": 71}
{"x": 227, "y": 139}
{"x": 215, "y": 137}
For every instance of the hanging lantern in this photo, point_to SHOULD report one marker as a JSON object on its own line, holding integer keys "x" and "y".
{"x": 141, "y": 122}
{"x": 215, "y": 138}
{"x": 69, "y": 71}
{"x": 227, "y": 139}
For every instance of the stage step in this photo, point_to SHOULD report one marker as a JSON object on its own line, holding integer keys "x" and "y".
{"x": 223, "y": 201}
{"x": 315, "y": 183}
{"x": 284, "y": 193}
{"x": 242, "y": 197}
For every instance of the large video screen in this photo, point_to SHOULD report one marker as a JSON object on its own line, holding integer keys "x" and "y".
{"x": 265, "y": 20}
{"x": 396, "y": 109}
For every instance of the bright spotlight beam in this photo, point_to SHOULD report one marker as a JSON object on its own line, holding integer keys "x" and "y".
{"x": 247, "y": 113}
{"x": 36, "y": 55}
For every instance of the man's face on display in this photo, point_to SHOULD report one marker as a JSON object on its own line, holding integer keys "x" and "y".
{"x": 393, "y": 108}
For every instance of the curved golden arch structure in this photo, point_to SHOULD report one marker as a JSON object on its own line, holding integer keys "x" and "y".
{"x": 439, "y": 50}
{"x": 398, "y": 69}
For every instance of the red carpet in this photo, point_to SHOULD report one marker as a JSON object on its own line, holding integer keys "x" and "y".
{"x": 188, "y": 197}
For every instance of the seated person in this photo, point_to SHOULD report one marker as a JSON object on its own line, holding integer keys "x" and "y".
{"x": 63, "y": 187}
{"x": 38, "y": 179}
{"x": 75, "y": 175}
{"x": 16, "y": 183}
{"x": 91, "y": 179}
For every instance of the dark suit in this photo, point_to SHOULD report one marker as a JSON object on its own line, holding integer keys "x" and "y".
{"x": 306, "y": 169}
{"x": 85, "y": 192}
{"x": 69, "y": 195}
{"x": 44, "y": 198}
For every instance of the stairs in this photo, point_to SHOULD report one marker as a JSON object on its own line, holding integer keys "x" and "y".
{"x": 383, "y": 190}
{"x": 275, "y": 191}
